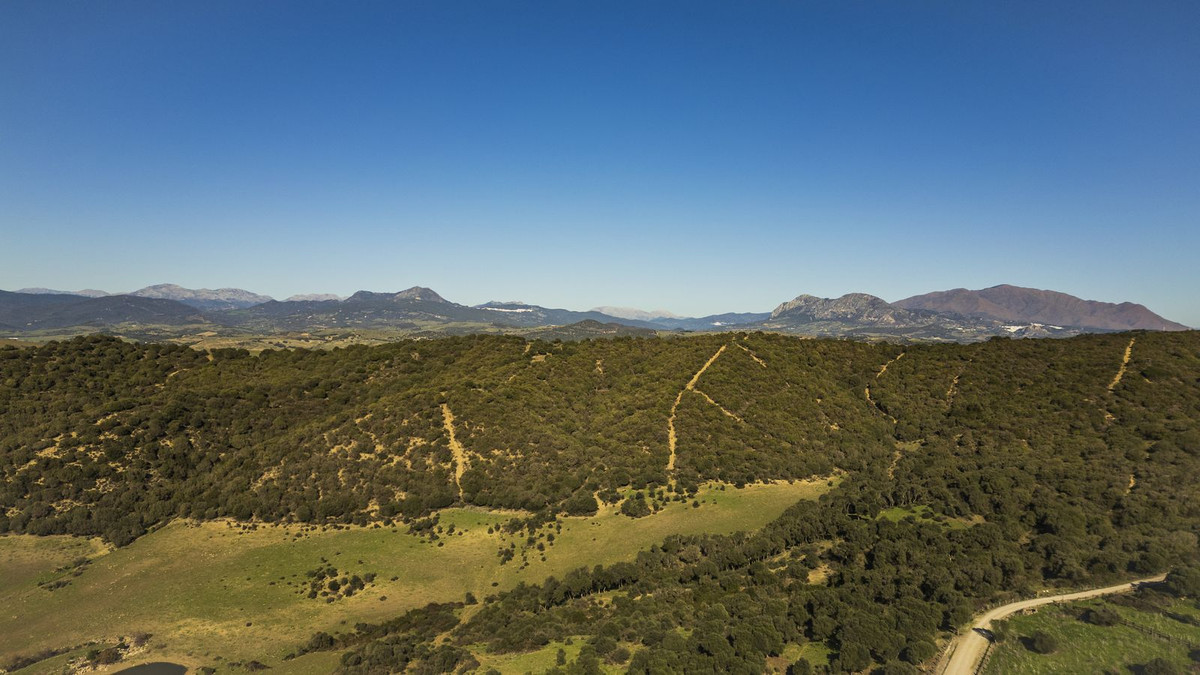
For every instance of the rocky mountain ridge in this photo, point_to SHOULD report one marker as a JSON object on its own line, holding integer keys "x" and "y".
{"x": 203, "y": 298}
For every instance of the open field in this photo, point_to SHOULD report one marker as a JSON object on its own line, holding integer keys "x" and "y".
{"x": 1087, "y": 648}
{"x": 197, "y": 586}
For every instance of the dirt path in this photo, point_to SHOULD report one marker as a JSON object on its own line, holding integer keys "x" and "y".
{"x": 456, "y": 448}
{"x": 901, "y": 448}
{"x": 690, "y": 386}
{"x": 718, "y": 405}
{"x": 885, "y": 366}
{"x": 968, "y": 649}
{"x": 1124, "y": 364}
{"x": 951, "y": 390}
{"x": 954, "y": 385}
{"x": 867, "y": 389}
{"x": 754, "y": 356}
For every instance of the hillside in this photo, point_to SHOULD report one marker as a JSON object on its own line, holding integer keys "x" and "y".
{"x": 25, "y": 312}
{"x": 958, "y": 475}
{"x": 1015, "y": 304}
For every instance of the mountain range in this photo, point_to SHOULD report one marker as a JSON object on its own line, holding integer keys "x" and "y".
{"x": 959, "y": 315}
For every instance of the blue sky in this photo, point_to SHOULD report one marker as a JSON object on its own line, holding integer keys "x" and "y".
{"x": 697, "y": 157}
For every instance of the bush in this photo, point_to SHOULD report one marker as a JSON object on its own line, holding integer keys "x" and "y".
{"x": 800, "y": 667}
{"x": 1161, "y": 666}
{"x": 1043, "y": 643}
{"x": 320, "y": 641}
{"x": 581, "y": 503}
{"x": 854, "y": 657}
{"x": 140, "y": 639}
{"x": 618, "y": 655}
{"x": 1000, "y": 630}
{"x": 635, "y": 506}
{"x": 919, "y": 651}
{"x": 1184, "y": 581}
{"x": 1102, "y": 616}
{"x": 604, "y": 645}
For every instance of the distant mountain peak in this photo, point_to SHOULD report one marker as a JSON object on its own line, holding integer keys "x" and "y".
{"x": 313, "y": 297}
{"x": 416, "y": 293}
{"x": 505, "y": 303}
{"x": 203, "y": 298}
{"x": 636, "y": 314}
{"x": 159, "y": 288}
{"x": 419, "y": 293}
{"x": 1006, "y": 302}
{"x": 87, "y": 292}
{"x": 849, "y": 305}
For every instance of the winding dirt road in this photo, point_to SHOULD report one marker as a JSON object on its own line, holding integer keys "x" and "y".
{"x": 967, "y": 649}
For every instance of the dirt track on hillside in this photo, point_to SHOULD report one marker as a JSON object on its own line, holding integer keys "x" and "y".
{"x": 690, "y": 386}
{"x": 456, "y": 448}
{"x": 1124, "y": 364}
{"x": 967, "y": 649}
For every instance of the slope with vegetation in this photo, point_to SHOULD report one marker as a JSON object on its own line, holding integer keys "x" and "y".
{"x": 1154, "y": 630}
{"x": 972, "y": 474}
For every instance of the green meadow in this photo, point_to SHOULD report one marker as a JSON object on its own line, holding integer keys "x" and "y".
{"x": 1087, "y": 648}
{"x": 221, "y": 592}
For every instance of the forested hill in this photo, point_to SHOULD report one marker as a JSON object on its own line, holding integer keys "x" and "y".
{"x": 968, "y": 472}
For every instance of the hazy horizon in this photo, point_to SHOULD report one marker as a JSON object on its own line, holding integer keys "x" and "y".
{"x": 694, "y": 157}
{"x": 602, "y": 307}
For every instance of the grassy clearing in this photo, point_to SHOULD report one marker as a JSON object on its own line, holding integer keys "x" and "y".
{"x": 541, "y": 660}
{"x": 26, "y": 559}
{"x": 531, "y": 662}
{"x": 1085, "y": 648}
{"x": 923, "y": 513}
{"x": 218, "y": 590}
{"x": 816, "y": 653}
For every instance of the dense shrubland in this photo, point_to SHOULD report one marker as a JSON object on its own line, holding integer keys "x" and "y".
{"x": 99, "y": 436}
{"x": 1019, "y": 465}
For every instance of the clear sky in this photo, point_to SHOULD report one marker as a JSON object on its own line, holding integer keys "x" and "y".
{"x": 692, "y": 156}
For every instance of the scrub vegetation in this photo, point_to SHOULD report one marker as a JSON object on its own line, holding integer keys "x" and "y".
{"x": 959, "y": 476}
